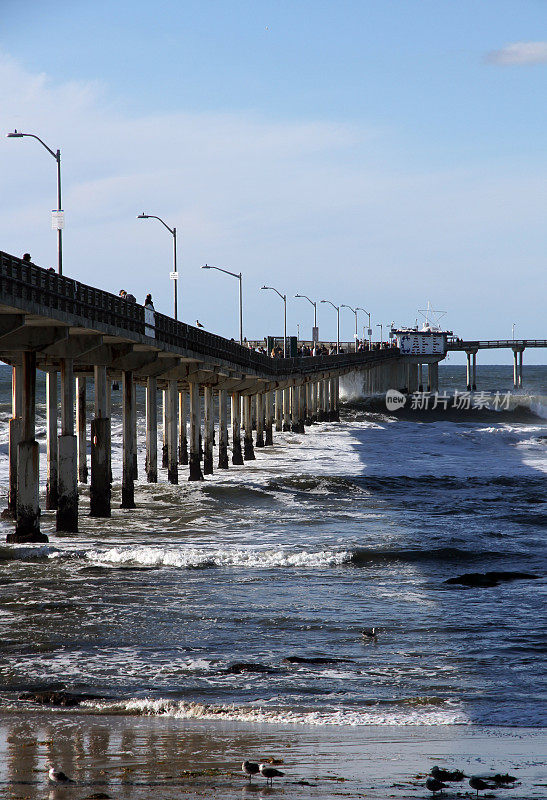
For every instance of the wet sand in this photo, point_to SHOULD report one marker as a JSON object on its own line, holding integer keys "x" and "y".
{"x": 137, "y": 758}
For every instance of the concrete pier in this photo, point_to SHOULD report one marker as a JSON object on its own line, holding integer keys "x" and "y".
{"x": 100, "y": 486}
{"x": 81, "y": 427}
{"x": 209, "y": 430}
{"x": 517, "y": 367}
{"x": 278, "y": 410}
{"x": 195, "y": 433}
{"x": 183, "y": 428}
{"x": 259, "y": 442}
{"x": 433, "y": 376}
{"x": 248, "y": 449}
{"x": 269, "y": 415}
{"x": 27, "y": 525}
{"x": 67, "y": 508}
{"x": 223, "y": 429}
{"x": 295, "y": 409}
{"x": 128, "y": 480}
{"x": 14, "y": 439}
{"x": 237, "y": 454}
{"x": 286, "y": 409}
{"x": 164, "y": 433}
{"x": 52, "y": 443}
{"x": 172, "y": 432}
{"x": 151, "y": 462}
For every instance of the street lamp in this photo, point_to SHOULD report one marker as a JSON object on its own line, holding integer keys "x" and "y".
{"x": 337, "y": 323}
{"x": 284, "y": 298}
{"x": 174, "y": 275}
{"x": 314, "y": 313}
{"x": 57, "y": 221}
{"x": 379, "y": 325}
{"x": 355, "y": 310}
{"x": 514, "y": 323}
{"x": 239, "y": 277}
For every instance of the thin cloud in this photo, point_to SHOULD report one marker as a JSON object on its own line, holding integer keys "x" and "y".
{"x": 519, "y": 54}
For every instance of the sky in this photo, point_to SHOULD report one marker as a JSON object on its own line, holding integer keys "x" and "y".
{"x": 380, "y": 154}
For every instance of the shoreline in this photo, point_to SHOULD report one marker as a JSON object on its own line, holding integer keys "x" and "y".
{"x": 171, "y": 759}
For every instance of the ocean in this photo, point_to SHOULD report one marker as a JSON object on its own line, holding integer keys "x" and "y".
{"x": 242, "y": 598}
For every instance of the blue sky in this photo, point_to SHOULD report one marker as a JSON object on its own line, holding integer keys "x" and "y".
{"x": 380, "y": 153}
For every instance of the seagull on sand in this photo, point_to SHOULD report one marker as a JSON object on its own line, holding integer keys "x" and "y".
{"x": 270, "y": 773}
{"x": 250, "y": 768}
{"x": 434, "y": 785}
{"x": 479, "y": 784}
{"x": 57, "y": 776}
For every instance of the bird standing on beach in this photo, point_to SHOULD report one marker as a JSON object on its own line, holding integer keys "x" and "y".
{"x": 250, "y": 768}
{"x": 57, "y": 776}
{"x": 270, "y": 773}
{"x": 479, "y": 784}
{"x": 435, "y": 785}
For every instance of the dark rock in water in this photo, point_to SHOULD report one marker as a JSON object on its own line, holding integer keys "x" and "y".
{"x": 503, "y": 780}
{"x": 57, "y": 698}
{"x": 489, "y": 579}
{"x": 446, "y": 774}
{"x": 98, "y": 796}
{"x": 244, "y": 666}
{"x": 303, "y": 660}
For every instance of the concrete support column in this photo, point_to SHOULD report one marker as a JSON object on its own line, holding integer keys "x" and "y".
{"x": 222, "y": 429}
{"x": 14, "y": 439}
{"x": 27, "y": 525}
{"x": 67, "y": 508}
{"x": 515, "y": 369}
{"x": 520, "y": 369}
{"x": 295, "y": 409}
{"x": 433, "y": 377}
{"x": 183, "y": 427}
{"x": 474, "y": 382}
{"x": 420, "y": 378}
{"x": 52, "y": 488}
{"x": 100, "y": 487}
{"x": 308, "y": 403}
{"x": 286, "y": 409}
{"x": 237, "y": 455}
{"x": 164, "y": 447}
{"x": 81, "y": 427}
{"x": 128, "y": 473}
{"x": 320, "y": 401}
{"x": 209, "y": 431}
{"x": 248, "y": 449}
{"x": 151, "y": 461}
{"x": 260, "y": 419}
{"x": 278, "y": 410}
{"x": 195, "y": 431}
{"x": 172, "y": 432}
{"x": 269, "y": 414}
{"x": 313, "y": 398}
{"x": 468, "y": 372}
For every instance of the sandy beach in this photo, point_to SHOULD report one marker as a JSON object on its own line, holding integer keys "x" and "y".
{"x": 170, "y": 759}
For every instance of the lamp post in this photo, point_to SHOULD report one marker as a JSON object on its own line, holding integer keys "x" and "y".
{"x": 239, "y": 277}
{"x": 355, "y": 310}
{"x": 57, "y": 156}
{"x": 174, "y": 274}
{"x": 284, "y": 298}
{"x": 513, "y": 336}
{"x": 379, "y": 325}
{"x": 369, "y": 328}
{"x": 314, "y": 311}
{"x": 337, "y": 323}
